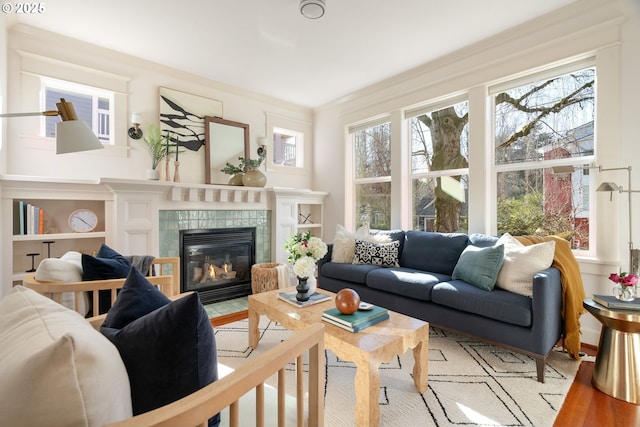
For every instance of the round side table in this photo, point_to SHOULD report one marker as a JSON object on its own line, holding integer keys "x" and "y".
{"x": 617, "y": 368}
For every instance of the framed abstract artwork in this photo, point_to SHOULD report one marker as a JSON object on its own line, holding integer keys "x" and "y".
{"x": 182, "y": 115}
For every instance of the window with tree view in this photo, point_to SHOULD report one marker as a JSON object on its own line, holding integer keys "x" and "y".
{"x": 372, "y": 168}
{"x": 439, "y": 174}
{"x": 540, "y": 128}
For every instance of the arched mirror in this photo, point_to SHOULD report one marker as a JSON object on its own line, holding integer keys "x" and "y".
{"x": 225, "y": 141}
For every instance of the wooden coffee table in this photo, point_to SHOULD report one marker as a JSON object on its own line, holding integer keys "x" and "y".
{"x": 367, "y": 349}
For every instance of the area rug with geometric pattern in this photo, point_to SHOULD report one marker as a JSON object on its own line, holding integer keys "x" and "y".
{"x": 470, "y": 383}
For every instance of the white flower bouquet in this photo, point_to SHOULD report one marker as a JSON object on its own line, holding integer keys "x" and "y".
{"x": 304, "y": 250}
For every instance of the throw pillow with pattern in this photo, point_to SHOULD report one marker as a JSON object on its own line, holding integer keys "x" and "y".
{"x": 382, "y": 254}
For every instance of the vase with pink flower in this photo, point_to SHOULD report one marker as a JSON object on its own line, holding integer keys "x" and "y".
{"x": 625, "y": 286}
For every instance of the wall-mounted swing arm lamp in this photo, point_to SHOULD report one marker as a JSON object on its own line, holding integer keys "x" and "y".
{"x": 72, "y": 135}
{"x": 134, "y": 131}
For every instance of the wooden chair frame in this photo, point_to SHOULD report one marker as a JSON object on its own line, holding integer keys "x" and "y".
{"x": 167, "y": 280}
{"x": 198, "y": 407}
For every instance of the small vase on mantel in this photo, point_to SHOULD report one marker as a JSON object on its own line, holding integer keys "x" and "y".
{"x": 254, "y": 178}
{"x": 236, "y": 179}
{"x": 152, "y": 174}
{"x": 303, "y": 289}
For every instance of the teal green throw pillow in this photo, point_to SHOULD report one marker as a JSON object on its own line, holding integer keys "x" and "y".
{"x": 480, "y": 266}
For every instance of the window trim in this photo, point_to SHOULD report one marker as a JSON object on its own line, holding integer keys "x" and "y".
{"x": 524, "y": 78}
{"x": 277, "y": 121}
{"x": 94, "y": 92}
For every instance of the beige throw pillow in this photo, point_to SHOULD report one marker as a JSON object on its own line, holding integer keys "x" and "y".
{"x": 521, "y": 263}
{"x": 55, "y": 368}
{"x": 67, "y": 268}
{"x": 344, "y": 243}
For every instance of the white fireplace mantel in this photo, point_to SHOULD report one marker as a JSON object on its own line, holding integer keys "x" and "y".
{"x": 131, "y": 208}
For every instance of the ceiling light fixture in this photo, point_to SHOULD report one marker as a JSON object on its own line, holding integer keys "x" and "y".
{"x": 72, "y": 135}
{"x": 312, "y": 9}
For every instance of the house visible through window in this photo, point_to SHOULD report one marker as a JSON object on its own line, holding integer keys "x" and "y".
{"x": 541, "y": 125}
{"x": 439, "y": 162}
{"x": 288, "y": 148}
{"x": 92, "y": 105}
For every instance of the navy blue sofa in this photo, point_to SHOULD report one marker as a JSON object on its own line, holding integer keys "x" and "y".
{"x": 422, "y": 288}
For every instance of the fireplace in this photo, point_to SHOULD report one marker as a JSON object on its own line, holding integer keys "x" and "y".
{"x": 217, "y": 262}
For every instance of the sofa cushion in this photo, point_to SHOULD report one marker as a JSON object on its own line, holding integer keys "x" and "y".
{"x": 480, "y": 266}
{"x": 136, "y": 298}
{"x": 169, "y": 353}
{"x": 482, "y": 240}
{"x": 356, "y": 273}
{"x": 498, "y": 304}
{"x": 107, "y": 264}
{"x": 405, "y": 281}
{"x": 55, "y": 368}
{"x": 521, "y": 263}
{"x": 344, "y": 243}
{"x": 432, "y": 252}
{"x": 382, "y": 254}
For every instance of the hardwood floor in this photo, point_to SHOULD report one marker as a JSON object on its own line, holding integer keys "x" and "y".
{"x": 586, "y": 406}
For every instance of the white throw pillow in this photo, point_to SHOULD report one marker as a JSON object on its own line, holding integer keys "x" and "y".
{"x": 344, "y": 243}
{"x": 67, "y": 268}
{"x": 521, "y": 263}
{"x": 55, "y": 368}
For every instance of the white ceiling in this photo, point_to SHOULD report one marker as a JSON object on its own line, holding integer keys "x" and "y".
{"x": 268, "y": 47}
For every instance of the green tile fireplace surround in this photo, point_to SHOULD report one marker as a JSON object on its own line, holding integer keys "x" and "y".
{"x": 172, "y": 221}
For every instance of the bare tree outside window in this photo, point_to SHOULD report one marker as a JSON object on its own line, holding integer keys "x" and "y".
{"x": 546, "y": 120}
{"x": 372, "y": 168}
{"x": 439, "y": 150}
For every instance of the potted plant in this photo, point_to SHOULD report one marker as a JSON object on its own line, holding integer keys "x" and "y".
{"x": 246, "y": 173}
{"x": 158, "y": 147}
{"x": 253, "y": 177}
{"x": 236, "y": 172}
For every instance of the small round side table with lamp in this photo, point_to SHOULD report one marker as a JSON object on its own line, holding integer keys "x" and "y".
{"x": 617, "y": 367}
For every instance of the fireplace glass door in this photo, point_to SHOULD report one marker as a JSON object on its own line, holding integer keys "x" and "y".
{"x": 216, "y": 263}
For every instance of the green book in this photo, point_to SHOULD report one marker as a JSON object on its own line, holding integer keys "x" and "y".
{"x": 360, "y": 326}
{"x": 353, "y": 320}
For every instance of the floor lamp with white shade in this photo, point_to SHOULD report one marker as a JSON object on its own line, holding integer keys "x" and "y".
{"x": 634, "y": 254}
{"x": 72, "y": 135}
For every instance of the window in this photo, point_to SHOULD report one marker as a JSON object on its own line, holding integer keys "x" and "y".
{"x": 288, "y": 148}
{"x": 539, "y": 126}
{"x": 92, "y": 105}
{"x": 372, "y": 173}
{"x": 439, "y": 161}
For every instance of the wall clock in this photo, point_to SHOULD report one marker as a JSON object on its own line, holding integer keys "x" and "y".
{"x": 83, "y": 220}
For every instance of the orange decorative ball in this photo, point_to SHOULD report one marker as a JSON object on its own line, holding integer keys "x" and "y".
{"x": 347, "y": 301}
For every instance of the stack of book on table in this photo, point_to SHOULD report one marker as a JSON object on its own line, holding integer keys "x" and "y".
{"x": 357, "y": 321}
{"x": 314, "y": 298}
{"x": 611, "y": 301}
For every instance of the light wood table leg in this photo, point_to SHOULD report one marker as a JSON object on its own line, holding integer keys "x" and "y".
{"x": 254, "y": 334}
{"x": 367, "y": 387}
{"x": 420, "y": 366}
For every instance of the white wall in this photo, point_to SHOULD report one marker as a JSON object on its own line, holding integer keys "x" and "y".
{"x": 608, "y": 29}
{"x": 139, "y": 81}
